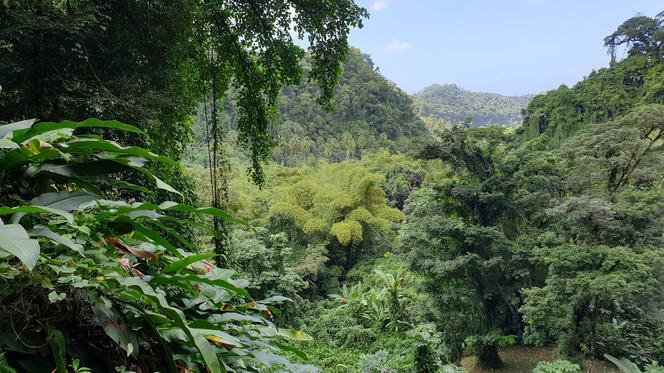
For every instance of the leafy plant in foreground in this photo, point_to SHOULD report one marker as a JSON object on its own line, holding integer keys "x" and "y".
{"x": 88, "y": 281}
{"x": 627, "y": 366}
{"x": 558, "y": 366}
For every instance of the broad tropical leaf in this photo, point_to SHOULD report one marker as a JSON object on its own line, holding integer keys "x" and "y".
{"x": 24, "y": 134}
{"x": 15, "y": 240}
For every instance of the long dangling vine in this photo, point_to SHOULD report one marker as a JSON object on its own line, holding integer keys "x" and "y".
{"x": 218, "y": 165}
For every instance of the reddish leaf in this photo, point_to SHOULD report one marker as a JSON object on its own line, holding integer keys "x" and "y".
{"x": 138, "y": 253}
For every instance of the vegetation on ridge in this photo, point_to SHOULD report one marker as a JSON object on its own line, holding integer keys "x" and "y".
{"x": 453, "y": 105}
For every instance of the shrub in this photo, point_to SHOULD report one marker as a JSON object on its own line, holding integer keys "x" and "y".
{"x": 558, "y": 366}
{"x": 94, "y": 282}
{"x": 356, "y": 336}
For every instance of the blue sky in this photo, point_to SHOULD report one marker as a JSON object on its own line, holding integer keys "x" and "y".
{"x": 504, "y": 46}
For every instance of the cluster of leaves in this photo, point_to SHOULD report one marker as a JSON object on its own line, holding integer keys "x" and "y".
{"x": 383, "y": 324}
{"x": 331, "y": 216}
{"x": 601, "y": 246}
{"x": 266, "y": 260}
{"x": 381, "y": 306}
{"x": 640, "y": 35}
{"x": 627, "y": 366}
{"x": 558, "y": 366}
{"x": 89, "y": 281}
{"x": 454, "y": 234}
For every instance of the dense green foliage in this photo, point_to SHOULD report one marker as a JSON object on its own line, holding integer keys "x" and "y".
{"x": 551, "y": 244}
{"x": 136, "y": 292}
{"x": 558, "y": 366}
{"x": 364, "y": 101}
{"x": 370, "y": 113}
{"x": 390, "y": 243}
{"x": 532, "y": 243}
{"x": 106, "y": 284}
{"x": 333, "y": 223}
{"x": 150, "y": 63}
{"x": 453, "y": 105}
{"x": 332, "y": 215}
{"x": 457, "y": 234}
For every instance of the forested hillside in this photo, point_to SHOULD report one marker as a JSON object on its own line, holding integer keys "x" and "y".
{"x": 365, "y": 103}
{"x": 604, "y": 95}
{"x": 454, "y": 105}
{"x": 368, "y": 113}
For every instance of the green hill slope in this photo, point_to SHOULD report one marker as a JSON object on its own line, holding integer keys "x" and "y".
{"x": 365, "y": 103}
{"x": 452, "y": 104}
{"x": 370, "y": 113}
{"x": 604, "y": 95}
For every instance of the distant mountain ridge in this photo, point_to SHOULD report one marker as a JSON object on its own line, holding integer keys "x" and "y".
{"x": 452, "y": 104}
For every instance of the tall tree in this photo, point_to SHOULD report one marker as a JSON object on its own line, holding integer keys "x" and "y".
{"x": 640, "y": 35}
{"x": 149, "y": 63}
{"x": 457, "y": 235}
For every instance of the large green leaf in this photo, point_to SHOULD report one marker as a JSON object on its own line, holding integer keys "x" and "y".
{"x": 202, "y": 345}
{"x": 86, "y": 145}
{"x": 7, "y": 144}
{"x": 115, "y": 326}
{"x": 208, "y": 354}
{"x": 33, "y": 152}
{"x": 218, "y": 336}
{"x": 153, "y": 236}
{"x": 15, "y": 240}
{"x": 173, "y": 233}
{"x": 233, "y": 289}
{"x": 65, "y": 200}
{"x": 58, "y": 348}
{"x": 623, "y": 364}
{"x": 20, "y": 211}
{"x": 163, "y": 185}
{"x": 88, "y": 168}
{"x": 289, "y": 334}
{"x": 7, "y": 130}
{"x": 174, "y": 206}
{"x": 23, "y": 135}
{"x": 180, "y": 264}
{"x": 47, "y": 233}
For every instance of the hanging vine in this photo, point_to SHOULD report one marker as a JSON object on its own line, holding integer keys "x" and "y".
{"x": 218, "y": 165}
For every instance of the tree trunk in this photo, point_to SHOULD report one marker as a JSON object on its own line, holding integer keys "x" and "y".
{"x": 487, "y": 357}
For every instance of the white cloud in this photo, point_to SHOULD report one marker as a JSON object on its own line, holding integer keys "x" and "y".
{"x": 378, "y": 5}
{"x": 396, "y": 46}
